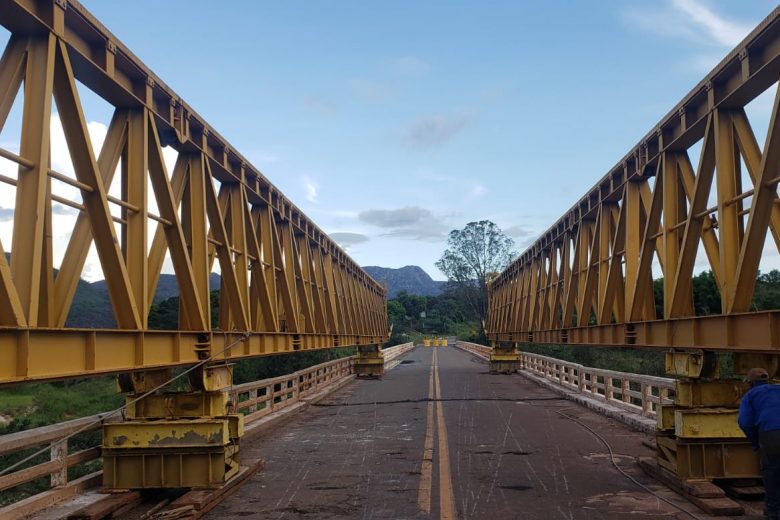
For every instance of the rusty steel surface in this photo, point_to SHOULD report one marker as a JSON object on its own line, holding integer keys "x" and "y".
{"x": 699, "y": 180}
{"x": 374, "y": 450}
{"x": 284, "y": 282}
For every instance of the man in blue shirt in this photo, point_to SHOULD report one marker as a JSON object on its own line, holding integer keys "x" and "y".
{"x": 759, "y": 418}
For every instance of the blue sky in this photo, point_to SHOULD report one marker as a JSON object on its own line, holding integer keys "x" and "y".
{"x": 391, "y": 123}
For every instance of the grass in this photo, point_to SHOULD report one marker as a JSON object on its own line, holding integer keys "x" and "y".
{"x": 16, "y": 401}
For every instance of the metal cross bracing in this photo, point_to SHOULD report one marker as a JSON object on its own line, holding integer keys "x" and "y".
{"x": 589, "y": 278}
{"x": 284, "y": 282}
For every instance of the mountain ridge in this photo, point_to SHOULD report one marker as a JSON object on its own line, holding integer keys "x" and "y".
{"x": 410, "y": 278}
{"x": 91, "y": 306}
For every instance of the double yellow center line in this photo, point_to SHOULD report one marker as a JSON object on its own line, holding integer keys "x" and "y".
{"x": 446, "y": 497}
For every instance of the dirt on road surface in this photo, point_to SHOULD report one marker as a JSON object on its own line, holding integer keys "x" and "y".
{"x": 439, "y": 437}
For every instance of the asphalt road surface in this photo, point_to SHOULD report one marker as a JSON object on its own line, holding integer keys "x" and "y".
{"x": 438, "y": 437}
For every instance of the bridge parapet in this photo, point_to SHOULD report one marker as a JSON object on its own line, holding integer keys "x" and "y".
{"x": 255, "y": 400}
{"x": 637, "y": 393}
{"x": 694, "y": 420}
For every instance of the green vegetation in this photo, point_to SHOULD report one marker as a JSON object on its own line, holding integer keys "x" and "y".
{"x": 621, "y": 359}
{"x": 13, "y": 403}
{"x": 273, "y": 366}
{"x": 706, "y": 301}
{"x": 637, "y": 361}
{"x": 445, "y": 315}
{"x": 473, "y": 254}
{"x": 42, "y": 404}
{"x": 456, "y": 312}
{"x": 48, "y": 403}
{"x": 706, "y": 297}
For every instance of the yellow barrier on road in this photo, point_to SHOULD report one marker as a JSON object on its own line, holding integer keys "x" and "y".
{"x": 443, "y": 342}
{"x": 435, "y": 342}
{"x": 427, "y": 342}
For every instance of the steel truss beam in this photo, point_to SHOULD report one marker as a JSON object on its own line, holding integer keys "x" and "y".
{"x": 285, "y": 283}
{"x": 589, "y": 279}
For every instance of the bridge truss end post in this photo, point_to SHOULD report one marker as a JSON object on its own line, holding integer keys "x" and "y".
{"x": 697, "y": 435}
{"x": 174, "y": 439}
{"x": 504, "y": 358}
{"x": 369, "y": 362}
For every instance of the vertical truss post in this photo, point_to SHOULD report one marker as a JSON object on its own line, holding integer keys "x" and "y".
{"x": 504, "y": 358}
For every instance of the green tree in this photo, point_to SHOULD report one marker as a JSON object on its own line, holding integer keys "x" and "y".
{"x": 706, "y": 297}
{"x": 473, "y": 253}
{"x": 767, "y": 292}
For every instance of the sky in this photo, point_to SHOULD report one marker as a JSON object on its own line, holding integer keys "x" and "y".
{"x": 392, "y": 123}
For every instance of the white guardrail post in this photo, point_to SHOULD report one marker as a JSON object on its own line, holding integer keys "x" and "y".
{"x": 255, "y": 399}
{"x": 636, "y": 393}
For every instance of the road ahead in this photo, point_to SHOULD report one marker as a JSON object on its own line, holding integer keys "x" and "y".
{"x": 439, "y": 437}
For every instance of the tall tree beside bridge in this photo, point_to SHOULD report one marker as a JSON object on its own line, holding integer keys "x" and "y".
{"x": 472, "y": 254}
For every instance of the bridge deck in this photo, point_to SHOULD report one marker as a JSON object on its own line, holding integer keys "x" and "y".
{"x": 359, "y": 454}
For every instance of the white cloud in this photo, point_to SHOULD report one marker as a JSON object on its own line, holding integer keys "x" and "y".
{"x": 65, "y": 216}
{"x": 411, "y": 222}
{"x": 348, "y": 240}
{"x": 434, "y": 131}
{"x": 692, "y": 20}
{"x": 59, "y": 209}
{"x": 723, "y": 31}
{"x": 478, "y": 190}
{"x": 310, "y": 187}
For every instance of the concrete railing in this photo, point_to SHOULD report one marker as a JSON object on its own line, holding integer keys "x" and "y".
{"x": 260, "y": 398}
{"x": 475, "y": 348}
{"x": 636, "y": 393}
{"x": 396, "y": 351}
{"x": 256, "y": 399}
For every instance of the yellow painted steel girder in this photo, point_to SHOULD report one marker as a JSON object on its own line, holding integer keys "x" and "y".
{"x": 170, "y": 468}
{"x": 707, "y": 423}
{"x": 689, "y": 393}
{"x": 588, "y": 279}
{"x": 727, "y": 458}
{"x": 188, "y": 404}
{"x": 285, "y": 284}
{"x": 166, "y": 434}
{"x": 33, "y": 355}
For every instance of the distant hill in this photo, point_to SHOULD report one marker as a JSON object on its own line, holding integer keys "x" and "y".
{"x": 167, "y": 287}
{"x": 91, "y": 306}
{"x": 410, "y": 278}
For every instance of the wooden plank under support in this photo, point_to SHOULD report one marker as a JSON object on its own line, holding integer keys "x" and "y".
{"x": 703, "y": 493}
